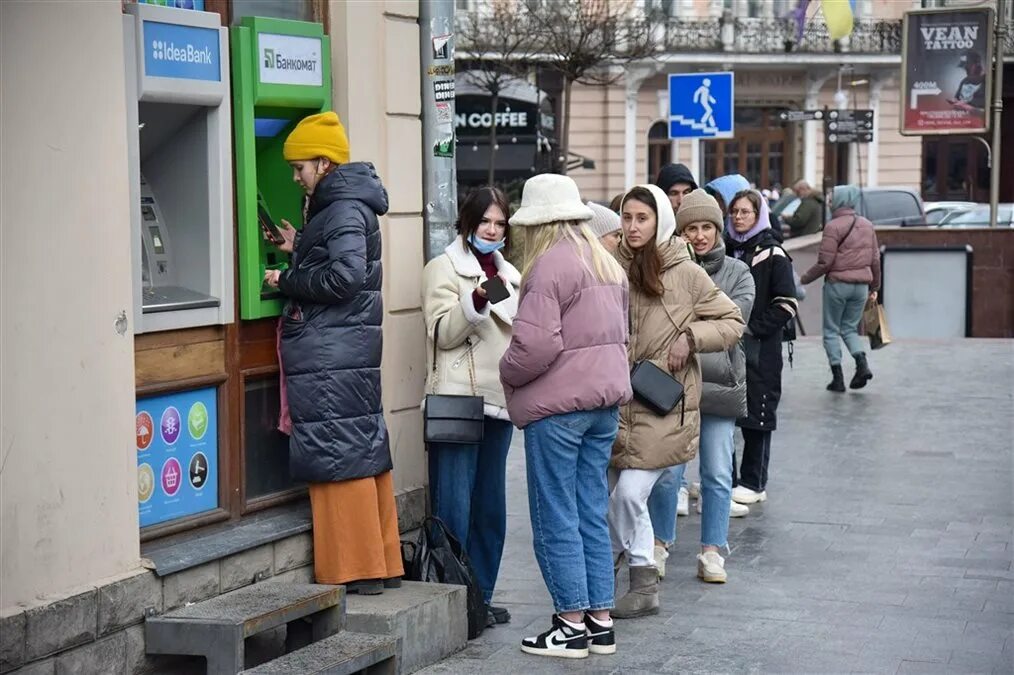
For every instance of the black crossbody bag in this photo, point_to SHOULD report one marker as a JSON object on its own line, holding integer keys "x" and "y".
{"x": 453, "y": 419}
{"x": 657, "y": 390}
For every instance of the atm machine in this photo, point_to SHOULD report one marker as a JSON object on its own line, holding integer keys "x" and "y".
{"x": 180, "y": 150}
{"x": 281, "y": 74}
{"x": 178, "y": 116}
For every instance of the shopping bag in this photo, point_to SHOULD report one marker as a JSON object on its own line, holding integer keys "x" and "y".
{"x": 438, "y": 557}
{"x": 875, "y": 325}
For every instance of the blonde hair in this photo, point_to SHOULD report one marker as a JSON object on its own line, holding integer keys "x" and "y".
{"x": 545, "y": 236}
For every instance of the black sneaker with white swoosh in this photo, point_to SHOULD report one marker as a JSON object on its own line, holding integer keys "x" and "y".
{"x": 564, "y": 640}
{"x": 601, "y": 637}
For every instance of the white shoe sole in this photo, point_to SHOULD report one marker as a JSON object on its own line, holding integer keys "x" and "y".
{"x": 751, "y": 499}
{"x": 712, "y": 579}
{"x": 604, "y": 650}
{"x": 558, "y": 653}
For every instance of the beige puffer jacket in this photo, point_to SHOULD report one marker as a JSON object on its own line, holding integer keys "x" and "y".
{"x": 693, "y": 304}
{"x": 448, "y": 282}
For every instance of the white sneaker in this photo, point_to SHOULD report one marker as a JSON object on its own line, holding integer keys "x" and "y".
{"x": 699, "y": 503}
{"x": 745, "y": 495}
{"x": 683, "y": 503}
{"x": 738, "y": 510}
{"x": 661, "y": 555}
{"x": 695, "y": 490}
{"x": 711, "y": 567}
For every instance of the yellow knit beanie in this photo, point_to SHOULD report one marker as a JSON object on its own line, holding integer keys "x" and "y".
{"x": 320, "y": 135}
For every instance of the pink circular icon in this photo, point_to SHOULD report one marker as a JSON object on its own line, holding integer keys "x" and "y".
{"x": 170, "y": 425}
{"x": 172, "y": 476}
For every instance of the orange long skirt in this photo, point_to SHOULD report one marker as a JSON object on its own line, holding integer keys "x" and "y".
{"x": 355, "y": 530}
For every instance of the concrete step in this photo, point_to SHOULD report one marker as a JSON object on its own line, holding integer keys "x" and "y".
{"x": 340, "y": 654}
{"x": 217, "y": 628}
{"x": 428, "y": 618}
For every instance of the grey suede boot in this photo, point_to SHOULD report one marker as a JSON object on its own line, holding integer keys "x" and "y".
{"x": 642, "y": 598}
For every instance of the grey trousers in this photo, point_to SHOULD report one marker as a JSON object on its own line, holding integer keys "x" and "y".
{"x": 843, "y": 310}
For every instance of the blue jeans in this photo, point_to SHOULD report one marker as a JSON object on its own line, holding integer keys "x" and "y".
{"x": 716, "y": 452}
{"x": 843, "y": 310}
{"x": 468, "y": 493}
{"x": 662, "y": 503}
{"x": 568, "y": 493}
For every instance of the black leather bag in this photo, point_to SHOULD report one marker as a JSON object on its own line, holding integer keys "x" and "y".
{"x": 656, "y": 389}
{"x": 449, "y": 418}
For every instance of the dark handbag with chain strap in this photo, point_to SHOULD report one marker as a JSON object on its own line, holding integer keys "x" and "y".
{"x": 453, "y": 419}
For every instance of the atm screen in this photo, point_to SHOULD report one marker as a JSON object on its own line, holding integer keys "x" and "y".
{"x": 269, "y": 127}
{"x": 156, "y": 240}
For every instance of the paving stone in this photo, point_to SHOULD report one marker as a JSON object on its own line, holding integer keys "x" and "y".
{"x": 293, "y": 552}
{"x": 60, "y": 623}
{"x": 107, "y": 655}
{"x": 244, "y": 568}
{"x": 300, "y": 575}
{"x": 192, "y": 585}
{"x": 44, "y": 667}
{"x": 12, "y": 638}
{"x": 124, "y": 601}
{"x": 855, "y": 564}
{"x": 429, "y": 619}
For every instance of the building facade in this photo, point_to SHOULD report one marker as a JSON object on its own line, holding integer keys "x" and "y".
{"x": 622, "y": 127}
{"x": 79, "y": 573}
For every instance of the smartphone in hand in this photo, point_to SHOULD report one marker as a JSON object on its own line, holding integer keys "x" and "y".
{"x": 496, "y": 290}
{"x": 267, "y": 224}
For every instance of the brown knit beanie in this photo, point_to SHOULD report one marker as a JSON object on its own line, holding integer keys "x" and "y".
{"x": 696, "y": 207}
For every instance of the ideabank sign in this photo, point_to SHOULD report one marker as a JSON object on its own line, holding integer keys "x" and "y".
{"x": 289, "y": 59}
{"x": 181, "y": 52}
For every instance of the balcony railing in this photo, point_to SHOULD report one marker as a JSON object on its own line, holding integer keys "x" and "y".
{"x": 762, "y": 36}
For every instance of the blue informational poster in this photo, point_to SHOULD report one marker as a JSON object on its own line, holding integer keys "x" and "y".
{"x": 177, "y": 455}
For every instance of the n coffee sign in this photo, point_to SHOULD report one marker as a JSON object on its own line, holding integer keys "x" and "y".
{"x": 289, "y": 59}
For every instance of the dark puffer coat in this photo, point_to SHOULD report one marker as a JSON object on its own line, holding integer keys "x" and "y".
{"x": 774, "y": 306}
{"x": 331, "y": 332}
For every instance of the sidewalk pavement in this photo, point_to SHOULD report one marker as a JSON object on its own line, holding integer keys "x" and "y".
{"x": 886, "y": 545}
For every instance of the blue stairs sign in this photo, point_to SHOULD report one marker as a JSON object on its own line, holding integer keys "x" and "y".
{"x": 701, "y": 105}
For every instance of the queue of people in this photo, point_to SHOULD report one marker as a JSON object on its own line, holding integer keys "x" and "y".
{"x": 633, "y": 339}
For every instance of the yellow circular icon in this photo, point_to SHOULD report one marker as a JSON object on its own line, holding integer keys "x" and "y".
{"x": 145, "y": 483}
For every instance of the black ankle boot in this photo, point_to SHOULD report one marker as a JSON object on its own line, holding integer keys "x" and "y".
{"x": 365, "y": 587}
{"x": 863, "y": 374}
{"x": 837, "y": 379}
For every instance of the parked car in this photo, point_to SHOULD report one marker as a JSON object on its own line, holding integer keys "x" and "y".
{"x": 979, "y": 217}
{"x": 892, "y": 206}
{"x": 938, "y": 212}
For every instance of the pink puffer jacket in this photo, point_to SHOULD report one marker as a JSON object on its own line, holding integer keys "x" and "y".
{"x": 568, "y": 351}
{"x": 847, "y": 253}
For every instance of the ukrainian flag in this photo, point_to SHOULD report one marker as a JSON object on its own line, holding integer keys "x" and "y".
{"x": 839, "y": 15}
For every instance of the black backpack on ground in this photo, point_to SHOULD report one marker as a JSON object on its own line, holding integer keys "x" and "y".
{"x": 438, "y": 557}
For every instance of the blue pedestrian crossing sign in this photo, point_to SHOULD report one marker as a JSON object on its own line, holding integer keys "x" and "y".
{"x": 700, "y": 105}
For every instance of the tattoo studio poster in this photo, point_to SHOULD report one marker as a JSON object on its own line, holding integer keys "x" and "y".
{"x": 946, "y": 74}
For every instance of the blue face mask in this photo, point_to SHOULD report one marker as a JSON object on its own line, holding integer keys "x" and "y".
{"x": 483, "y": 246}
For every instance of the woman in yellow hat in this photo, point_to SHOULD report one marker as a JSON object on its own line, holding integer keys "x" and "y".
{"x": 331, "y": 347}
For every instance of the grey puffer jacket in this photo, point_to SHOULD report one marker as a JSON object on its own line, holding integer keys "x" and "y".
{"x": 331, "y": 332}
{"x": 724, "y": 373}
